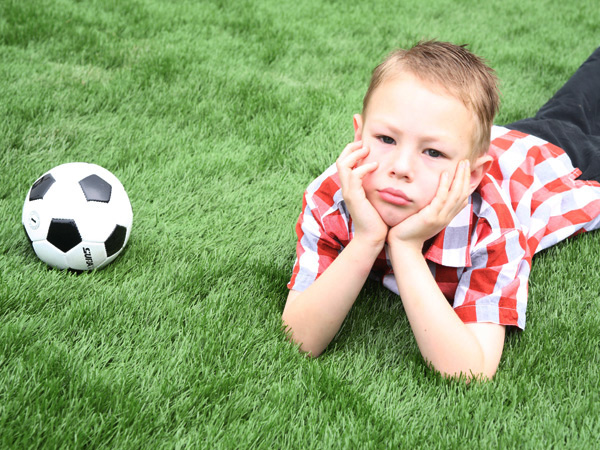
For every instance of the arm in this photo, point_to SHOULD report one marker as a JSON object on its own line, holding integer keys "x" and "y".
{"x": 450, "y": 345}
{"x": 313, "y": 317}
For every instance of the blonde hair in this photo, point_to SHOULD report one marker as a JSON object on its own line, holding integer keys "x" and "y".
{"x": 461, "y": 73}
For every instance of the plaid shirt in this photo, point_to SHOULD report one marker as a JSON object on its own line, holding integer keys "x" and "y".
{"x": 528, "y": 201}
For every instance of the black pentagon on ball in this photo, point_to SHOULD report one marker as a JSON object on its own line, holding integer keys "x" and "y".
{"x": 63, "y": 234}
{"x": 95, "y": 189}
{"x": 115, "y": 241}
{"x": 40, "y": 187}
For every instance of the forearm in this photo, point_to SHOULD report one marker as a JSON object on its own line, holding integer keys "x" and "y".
{"x": 443, "y": 339}
{"x": 315, "y": 315}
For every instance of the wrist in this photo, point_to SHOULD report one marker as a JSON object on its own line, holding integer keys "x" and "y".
{"x": 405, "y": 250}
{"x": 370, "y": 245}
{"x": 410, "y": 246}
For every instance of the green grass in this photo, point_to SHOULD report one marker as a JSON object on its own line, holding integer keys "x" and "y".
{"x": 215, "y": 116}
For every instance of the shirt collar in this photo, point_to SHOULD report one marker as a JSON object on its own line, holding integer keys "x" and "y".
{"x": 451, "y": 247}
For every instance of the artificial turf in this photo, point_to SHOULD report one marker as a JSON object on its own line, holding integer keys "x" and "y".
{"x": 215, "y": 115}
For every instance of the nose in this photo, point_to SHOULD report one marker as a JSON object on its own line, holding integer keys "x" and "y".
{"x": 402, "y": 164}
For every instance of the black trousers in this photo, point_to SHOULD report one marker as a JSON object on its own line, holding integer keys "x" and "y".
{"x": 571, "y": 119}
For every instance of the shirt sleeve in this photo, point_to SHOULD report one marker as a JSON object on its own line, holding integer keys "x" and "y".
{"x": 315, "y": 249}
{"x": 494, "y": 288}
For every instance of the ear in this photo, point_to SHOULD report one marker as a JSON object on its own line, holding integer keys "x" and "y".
{"x": 358, "y": 124}
{"x": 478, "y": 169}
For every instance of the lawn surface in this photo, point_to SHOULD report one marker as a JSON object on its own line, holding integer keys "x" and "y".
{"x": 215, "y": 116}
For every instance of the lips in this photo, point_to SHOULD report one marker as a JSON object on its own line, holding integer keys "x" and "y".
{"x": 394, "y": 196}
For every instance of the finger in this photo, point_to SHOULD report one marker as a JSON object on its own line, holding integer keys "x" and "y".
{"x": 459, "y": 191}
{"x": 467, "y": 179}
{"x": 352, "y": 159}
{"x": 442, "y": 191}
{"x": 347, "y": 170}
{"x": 353, "y": 146}
{"x": 450, "y": 193}
{"x": 352, "y": 178}
{"x": 463, "y": 180}
{"x": 348, "y": 152}
{"x": 363, "y": 170}
{"x": 342, "y": 162}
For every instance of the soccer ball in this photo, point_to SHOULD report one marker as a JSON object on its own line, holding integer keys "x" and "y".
{"x": 77, "y": 216}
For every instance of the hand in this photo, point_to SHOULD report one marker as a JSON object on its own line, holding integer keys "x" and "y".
{"x": 368, "y": 224}
{"x": 449, "y": 200}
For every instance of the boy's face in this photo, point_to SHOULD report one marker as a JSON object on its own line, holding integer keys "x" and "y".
{"x": 415, "y": 133}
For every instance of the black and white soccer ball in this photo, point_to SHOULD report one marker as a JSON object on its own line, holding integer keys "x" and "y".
{"x": 77, "y": 216}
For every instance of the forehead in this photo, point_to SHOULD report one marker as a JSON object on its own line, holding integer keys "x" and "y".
{"x": 404, "y": 78}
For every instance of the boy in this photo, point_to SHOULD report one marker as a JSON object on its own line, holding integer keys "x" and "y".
{"x": 422, "y": 201}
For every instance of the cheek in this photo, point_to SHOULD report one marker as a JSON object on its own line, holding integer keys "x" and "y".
{"x": 368, "y": 183}
{"x": 425, "y": 184}
{"x": 375, "y": 155}
{"x": 429, "y": 192}
{"x": 371, "y": 157}
{"x": 428, "y": 187}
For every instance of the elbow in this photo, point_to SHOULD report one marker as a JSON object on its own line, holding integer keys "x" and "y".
{"x": 303, "y": 343}
{"x": 466, "y": 376}
{"x": 481, "y": 377}
{"x": 309, "y": 353}
{"x": 466, "y": 366}
{"x": 485, "y": 369}
{"x": 477, "y": 376}
{"x": 487, "y": 374}
{"x": 476, "y": 372}
{"x": 304, "y": 347}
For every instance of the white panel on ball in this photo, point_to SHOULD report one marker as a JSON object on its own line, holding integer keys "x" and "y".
{"x": 85, "y": 255}
{"x": 36, "y": 220}
{"x": 49, "y": 254}
{"x": 92, "y": 223}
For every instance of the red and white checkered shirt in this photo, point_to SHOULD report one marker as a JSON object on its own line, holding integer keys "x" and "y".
{"x": 528, "y": 201}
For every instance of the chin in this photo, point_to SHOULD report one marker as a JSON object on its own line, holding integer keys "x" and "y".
{"x": 392, "y": 221}
{"x": 392, "y": 215}
{"x": 393, "y": 218}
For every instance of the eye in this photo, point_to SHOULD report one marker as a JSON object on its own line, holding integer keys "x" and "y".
{"x": 386, "y": 140}
{"x": 434, "y": 153}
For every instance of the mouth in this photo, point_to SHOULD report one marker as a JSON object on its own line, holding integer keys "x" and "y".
{"x": 394, "y": 196}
